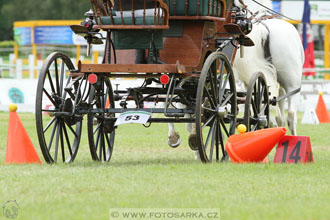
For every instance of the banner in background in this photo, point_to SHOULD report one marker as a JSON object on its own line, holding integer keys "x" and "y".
{"x": 307, "y": 39}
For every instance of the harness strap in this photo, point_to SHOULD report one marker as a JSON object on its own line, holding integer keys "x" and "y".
{"x": 288, "y": 94}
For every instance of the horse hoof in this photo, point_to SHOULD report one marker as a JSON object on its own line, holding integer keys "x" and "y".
{"x": 197, "y": 157}
{"x": 192, "y": 141}
{"x": 174, "y": 140}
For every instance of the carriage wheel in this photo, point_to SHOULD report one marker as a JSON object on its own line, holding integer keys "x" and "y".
{"x": 100, "y": 126}
{"x": 57, "y": 131}
{"x": 256, "y": 113}
{"x": 215, "y": 107}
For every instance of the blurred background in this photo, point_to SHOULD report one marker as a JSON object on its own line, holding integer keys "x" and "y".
{"x": 32, "y": 29}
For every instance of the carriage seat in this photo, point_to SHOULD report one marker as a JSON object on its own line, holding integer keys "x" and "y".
{"x": 196, "y": 7}
{"x": 126, "y": 17}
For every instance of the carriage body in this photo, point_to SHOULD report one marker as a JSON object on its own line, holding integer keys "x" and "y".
{"x": 190, "y": 43}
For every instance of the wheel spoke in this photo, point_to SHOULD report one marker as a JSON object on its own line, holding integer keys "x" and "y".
{"x": 62, "y": 142}
{"x": 221, "y": 141}
{"x": 223, "y": 87}
{"x": 103, "y": 146}
{"x": 227, "y": 99}
{"x": 56, "y": 78}
{"x": 217, "y": 144}
{"x": 209, "y": 135}
{"x": 108, "y": 141}
{"x": 62, "y": 77}
{"x": 255, "y": 126}
{"x": 73, "y": 131}
{"x": 261, "y": 95}
{"x": 224, "y": 127}
{"x": 67, "y": 140}
{"x": 254, "y": 107}
{"x": 212, "y": 83}
{"x": 98, "y": 144}
{"x": 52, "y": 135}
{"x": 57, "y": 141}
{"x": 262, "y": 110}
{"x": 97, "y": 128}
{"x": 49, "y": 124}
{"x": 212, "y": 141}
{"x": 208, "y": 109}
{"x": 51, "y": 82}
{"x": 208, "y": 121}
{"x": 49, "y": 97}
{"x": 210, "y": 98}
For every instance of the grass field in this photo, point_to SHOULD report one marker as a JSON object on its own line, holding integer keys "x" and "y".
{"x": 145, "y": 173}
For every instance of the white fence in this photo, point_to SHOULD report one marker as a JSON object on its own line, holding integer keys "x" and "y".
{"x": 16, "y": 67}
{"x": 25, "y": 89}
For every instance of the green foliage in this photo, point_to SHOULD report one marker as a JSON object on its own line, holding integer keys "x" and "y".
{"x": 18, "y": 10}
{"x": 7, "y": 44}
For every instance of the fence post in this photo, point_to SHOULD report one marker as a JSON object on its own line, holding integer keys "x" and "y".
{"x": 31, "y": 66}
{"x": 39, "y": 65}
{"x": 1, "y": 61}
{"x": 19, "y": 68}
{"x": 12, "y": 59}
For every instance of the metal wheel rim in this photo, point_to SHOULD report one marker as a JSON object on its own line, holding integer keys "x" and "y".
{"x": 218, "y": 130}
{"x": 257, "y": 98}
{"x": 101, "y": 143}
{"x": 67, "y": 137}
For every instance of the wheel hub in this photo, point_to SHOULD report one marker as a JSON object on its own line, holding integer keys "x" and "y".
{"x": 69, "y": 120}
{"x": 222, "y": 112}
{"x": 262, "y": 120}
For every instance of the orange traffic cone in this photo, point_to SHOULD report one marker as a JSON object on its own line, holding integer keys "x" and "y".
{"x": 322, "y": 110}
{"x": 253, "y": 146}
{"x": 19, "y": 145}
{"x": 107, "y": 104}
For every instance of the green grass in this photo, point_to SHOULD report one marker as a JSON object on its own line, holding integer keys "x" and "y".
{"x": 145, "y": 172}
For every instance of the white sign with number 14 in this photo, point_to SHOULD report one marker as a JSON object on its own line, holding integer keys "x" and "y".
{"x": 138, "y": 117}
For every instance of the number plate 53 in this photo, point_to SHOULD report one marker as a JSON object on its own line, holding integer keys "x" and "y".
{"x": 139, "y": 117}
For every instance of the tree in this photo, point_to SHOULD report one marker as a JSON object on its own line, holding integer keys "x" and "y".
{"x": 18, "y": 10}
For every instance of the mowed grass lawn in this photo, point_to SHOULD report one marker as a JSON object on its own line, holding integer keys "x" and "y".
{"x": 146, "y": 173}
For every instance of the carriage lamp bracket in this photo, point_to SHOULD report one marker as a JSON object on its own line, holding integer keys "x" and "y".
{"x": 239, "y": 16}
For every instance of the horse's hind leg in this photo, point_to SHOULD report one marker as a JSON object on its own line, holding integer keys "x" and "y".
{"x": 280, "y": 110}
{"x": 174, "y": 139}
{"x": 191, "y": 127}
{"x": 292, "y": 113}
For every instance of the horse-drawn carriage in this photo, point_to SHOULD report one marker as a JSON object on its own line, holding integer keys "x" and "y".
{"x": 183, "y": 49}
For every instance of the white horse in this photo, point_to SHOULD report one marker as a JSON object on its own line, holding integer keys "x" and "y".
{"x": 282, "y": 67}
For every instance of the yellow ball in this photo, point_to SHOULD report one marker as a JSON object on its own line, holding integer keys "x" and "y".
{"x": 241, "y": 128}
{"x": 320, "y": 93}
{"x": 12, "y": 107}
